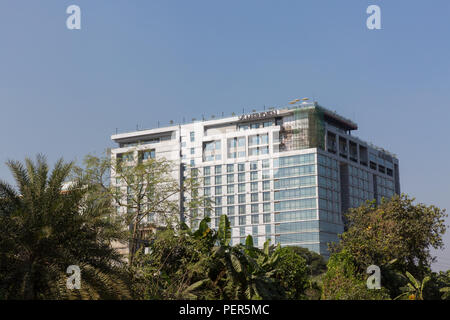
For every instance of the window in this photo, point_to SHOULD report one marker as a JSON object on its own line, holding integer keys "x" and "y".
{"x": 207, "y": 191}
{"x": 192, "y": 162}
{"x": 241, "y": 167}
{"x": 266, "y": 217}
{"x": 230, "y": 178}
{"x": 268, "y": 229}
{"x": 266, "y": 185}
{"x": 241, "y": 187}
{"x": 230, "y": 200}
{"x": 242, "y": 209}
{"x": 206, "y": 171}
{"x": 241, "y": 198}
{"x": 241, "y": 177}
{"x": 192, "y": 134}
{"x": 266, "y": 207}
{"x": 192, "y": 150}
{"x": 265, "y": 163}
{"x": 148, "y": 154}
{"x": 218, "y": 179}
{"x": 218, "y": 201}
{"x": 254, "y": 197}
{"x": 254, "y": 208}
{"x": 218, "y": 211}
{"x": 266, "y": 174}
{"x": 218, "y": 169}
{"x": 230, "y": 211}
{"x": 230, "y": 167}
{"x": 230, "y": 188}
{"x": 255, "y": 220}
{"x": 242, "y": 222}
{"x": 207, "y": 181}
{"x": 254, "y": 175}
{"x": 254, "y": 165}
{"x": 241, "y": 142}
{"x": 218, "y": 190}
{"x": 266, "y": 196}
{"x": 254, "y": 186}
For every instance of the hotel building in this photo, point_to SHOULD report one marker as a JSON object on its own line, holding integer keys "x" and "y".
{"x": 285, "y": 174}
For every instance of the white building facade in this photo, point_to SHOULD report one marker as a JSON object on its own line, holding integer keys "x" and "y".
{"x": 287, "y": 174}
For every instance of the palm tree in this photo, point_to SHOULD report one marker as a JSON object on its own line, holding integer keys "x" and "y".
{"x": 44, "y": 229}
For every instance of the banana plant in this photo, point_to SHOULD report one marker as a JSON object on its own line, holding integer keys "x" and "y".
{"x": 414, "y": 288}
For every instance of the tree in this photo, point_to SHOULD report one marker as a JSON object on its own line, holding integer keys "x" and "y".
{"x": 144, "y": 192}
{"x": 292, "y": 272}
{"x": 343, "y": 282}
{"x": 394, "y": 230}
{"x": 44, "y": 229}
{"x": 315, "y": 263}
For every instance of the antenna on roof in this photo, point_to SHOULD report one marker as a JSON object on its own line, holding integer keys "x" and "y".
{"x": 158, "y": 123}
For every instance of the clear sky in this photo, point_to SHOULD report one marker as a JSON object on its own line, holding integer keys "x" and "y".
{"x": 133, "y": 63}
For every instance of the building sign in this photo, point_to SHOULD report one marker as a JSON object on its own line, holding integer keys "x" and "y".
{"x": 259, "y": 115}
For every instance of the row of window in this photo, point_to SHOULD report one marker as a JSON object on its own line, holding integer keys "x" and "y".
{"x": 296, "y": 215}
{"x": 294, "y": 182}
{"x": 230, "y": 168}
{"x": 294, "y": 160}
{"x": 294, "y": 171}
{"x": 329, "y": 205}
{"x": 295, "y": 204}
{"x": 329, "y": 216}
{"x": 241, "y": 198}
{"x": 327, "y": 161}
{"x": 297, "y": 237}
{"x": 241, "y": 209}
{"x": 295, "y": 193}
{"x": 299, "y": 226}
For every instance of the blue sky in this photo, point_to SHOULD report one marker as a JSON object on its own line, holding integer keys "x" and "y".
{"x": 133, "y": 63}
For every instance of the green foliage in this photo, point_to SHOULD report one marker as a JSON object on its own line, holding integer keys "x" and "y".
{"x": 397, "y": 229}
{"x": 292, "y": 272}
{"x": 438, "y": 287}
{"x": 414, "y": 288}
{"x": 342, "y": 281}
{"x": 203, "y": 265}
{"x": 44, "y": 229}
{"x": 315, "y": 263}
